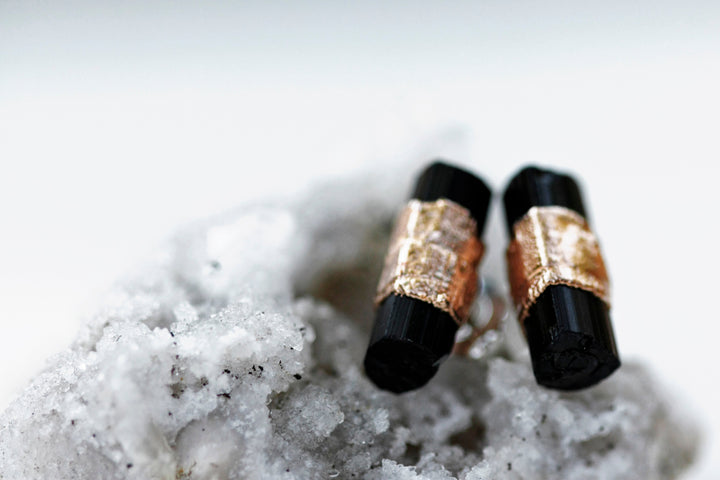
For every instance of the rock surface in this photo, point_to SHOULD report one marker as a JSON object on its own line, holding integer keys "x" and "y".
{"x": 237, "y": 352}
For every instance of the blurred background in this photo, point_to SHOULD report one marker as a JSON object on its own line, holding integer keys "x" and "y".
{"x": 120, "y": 121}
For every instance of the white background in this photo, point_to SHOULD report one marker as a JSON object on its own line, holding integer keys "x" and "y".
{"x": 120, "y": 121}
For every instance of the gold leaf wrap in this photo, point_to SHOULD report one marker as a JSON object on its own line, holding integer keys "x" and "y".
{"x": 554, "y": 246}
{"x": 433, "y": 256}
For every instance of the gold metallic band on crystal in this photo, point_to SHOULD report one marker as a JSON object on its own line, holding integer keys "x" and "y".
{"x": 554, "y": 246}
{"x": 433, "y": 256}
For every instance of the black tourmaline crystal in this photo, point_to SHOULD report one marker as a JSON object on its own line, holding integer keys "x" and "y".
{"x": 411, "y": 338}
{"x": 569, "y": 333}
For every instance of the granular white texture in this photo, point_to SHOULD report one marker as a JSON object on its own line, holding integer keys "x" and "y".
{"x": 237, "y": 353}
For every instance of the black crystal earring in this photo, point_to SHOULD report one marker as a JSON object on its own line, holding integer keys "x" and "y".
{"x": 558, "y": 281}
{"x": 429, "y": 280}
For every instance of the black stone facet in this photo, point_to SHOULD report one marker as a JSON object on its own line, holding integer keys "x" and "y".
{"x": 568, "y": 330}
{"x": 411, "y": 338}
{"x": 441, "y": 180}
{"x": 409, "y": 341}
{"x": 535, "y": 187}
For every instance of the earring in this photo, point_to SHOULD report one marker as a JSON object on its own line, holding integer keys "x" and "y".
{"x": 558, "y": 281}
{"x": 429, "y": 279}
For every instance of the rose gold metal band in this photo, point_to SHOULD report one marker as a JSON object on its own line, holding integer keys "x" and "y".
{"x": 553, "y": 246}
{"x": 433, "y": 257}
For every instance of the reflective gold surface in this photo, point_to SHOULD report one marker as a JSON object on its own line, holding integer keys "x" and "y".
{"x": 553, "y": 246}
{"x": 433, "y": 256}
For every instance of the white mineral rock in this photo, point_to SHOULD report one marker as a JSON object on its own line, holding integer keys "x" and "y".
{"x": 237, "y": 353}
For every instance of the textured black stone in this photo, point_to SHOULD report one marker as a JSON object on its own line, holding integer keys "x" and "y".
{"x": 409, "y": 341}
{"x": 411, "y": 338}
{"x": 571, "y": 340}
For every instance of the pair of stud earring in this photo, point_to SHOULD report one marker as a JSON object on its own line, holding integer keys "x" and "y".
{"x": 557, "y": 278}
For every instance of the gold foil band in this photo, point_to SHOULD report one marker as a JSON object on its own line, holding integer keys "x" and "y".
{"x": 554, "y": 246}
{"x": 433, "y": 256}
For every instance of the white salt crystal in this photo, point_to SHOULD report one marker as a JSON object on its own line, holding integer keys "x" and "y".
{"x": 237, "y": 352}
